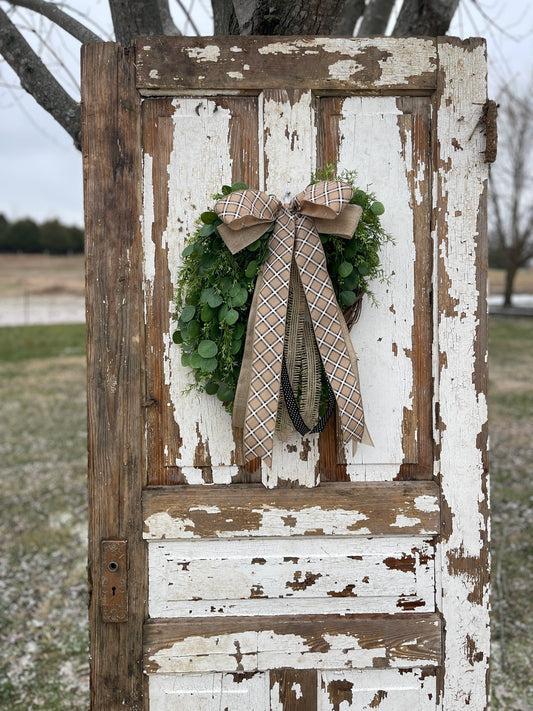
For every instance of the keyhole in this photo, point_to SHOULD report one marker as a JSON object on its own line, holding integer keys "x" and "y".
{"x": 113, "y": 589}
{"x": 113, "y": 566}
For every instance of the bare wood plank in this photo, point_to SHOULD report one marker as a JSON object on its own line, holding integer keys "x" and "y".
{"x": 249, "y": 644}
{"x": 460, "y": 233}
{"x": 377, "y": 65}
{"x": 293, "y": 689}
{"x": 335, "y": 509}
{"x": 112, "y": 172}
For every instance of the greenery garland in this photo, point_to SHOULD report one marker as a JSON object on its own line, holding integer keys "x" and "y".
{"x": 215, "y": 288}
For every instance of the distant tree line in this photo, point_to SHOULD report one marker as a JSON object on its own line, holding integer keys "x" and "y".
{"x": 50, "y": 237}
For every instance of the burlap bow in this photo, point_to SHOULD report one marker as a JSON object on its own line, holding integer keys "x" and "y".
{"x": 296, "y": 264}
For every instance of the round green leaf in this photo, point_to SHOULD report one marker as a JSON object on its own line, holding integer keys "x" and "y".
{"x": 377, "y": 208}
{"x": 189, "y": 249}
{"x": 226, "y": 284}
{"x": 209, "y": 217}
{"x": 226, "y": 190}
{"x": 225, "y": 393}
{"x": 207, "y": 230}
{"x": 194, "y": 329}
{"x": 209, "y": 365}
{"x": 211, "y": 387}
{"x": 239, "y": 186}
{"x": 177, "y": 337}
{"x": 359, "y": 198}
{"x": 345, "y": 268}
{"x": 254, "y": 246}
{"x": 187, "y": 314}
{"x": 196, "y": 360}
{"x": 185, "y": 359}
{"x": 347, "y": 298}
{"x": 239, "y": 295}
{"x": 207, "y": 313}
{"x": 222, "y": 312}
{"x": 251, "y": 269}
{"x": 231, "y": 317}
{"x": 207, "y": 349}
{"x": 351, "y": 249}
{"x": 350, "y": 282}
{"x": 363, "y": 268}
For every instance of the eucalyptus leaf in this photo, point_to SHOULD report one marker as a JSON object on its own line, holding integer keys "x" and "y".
{"x": 211, "y": 387}
{"x": 239, "y": 186}
{"x": 207, "y": 349}
{"x": 345, "y": 268}
{"x": 207, "y": 313}
{"x": 225, "y": 393}
{"x": 177, "y": 337}
{"x": 377, "y": 208}
{"x": 209, "y": 365}
{"x": 231, "y": 317}
{"x": 187, "y": 314}
{"x": 189, "y": 249}
{"x": 347, "y": 298}
{"x": 209, "y": 217}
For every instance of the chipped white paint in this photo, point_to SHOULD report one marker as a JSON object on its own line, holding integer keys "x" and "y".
{"x": 404, "y": 521}
{"x": 384, "y": 689}
{"x": 208, "y": 692}
{"x": 410, "y": 58}
{"x": 343, "y": 69}
{"x": 154, "y": 74}
{"x": 199, "y": 163}
{"x": 235, "y": 49}
{"x": 209, "y": 53}
{"x": 235, "y": 75}
{"x": 371, "y": 144}
{"x": 309, "y": 575}
{"x": 463, "y": 410}
{"x": 425, "y": 503}
{"x": 147, "y": 226}
{"x": 271, "y": 522}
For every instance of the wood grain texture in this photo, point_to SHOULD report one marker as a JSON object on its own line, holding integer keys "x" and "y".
{"x": 112, "y": 172}
{"x": 381, "y": 508}
{"x": 313, "y": 642}
{"x": 293, "y": 689}
{"x": 377, "y": 65}
{"x": 460, "y": 236}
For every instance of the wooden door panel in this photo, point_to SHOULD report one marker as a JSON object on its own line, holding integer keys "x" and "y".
{"x": 194, "y": 145}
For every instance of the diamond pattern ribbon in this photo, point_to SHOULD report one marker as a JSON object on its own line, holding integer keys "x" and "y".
{"x": 294, "y": 241}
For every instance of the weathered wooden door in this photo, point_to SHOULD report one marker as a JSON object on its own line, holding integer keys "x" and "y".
{"x": 330, "y": 580}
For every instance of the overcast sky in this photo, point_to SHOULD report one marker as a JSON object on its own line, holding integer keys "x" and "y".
{"x": 40, "y": 170}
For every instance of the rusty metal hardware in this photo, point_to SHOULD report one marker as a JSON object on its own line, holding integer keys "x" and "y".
{"x": 114, "y": 581}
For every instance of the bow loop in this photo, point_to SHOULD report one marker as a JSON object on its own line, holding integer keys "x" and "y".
{"x": 296, "y": 261}
{"x": 325, "y": 200}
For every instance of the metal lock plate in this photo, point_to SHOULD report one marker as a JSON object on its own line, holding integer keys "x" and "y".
{"x": 114, "y": 585}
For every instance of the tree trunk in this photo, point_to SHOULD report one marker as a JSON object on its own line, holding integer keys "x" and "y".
{"x": 132, "y": 18}
{"x": 510, "y": 274}
{"x": 425, "y": 17}
{"x": 299, "y": 17}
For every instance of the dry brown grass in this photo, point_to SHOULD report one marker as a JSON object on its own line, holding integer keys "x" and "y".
{"x": 523, "y": 281}
{"x": 41, "y": 274}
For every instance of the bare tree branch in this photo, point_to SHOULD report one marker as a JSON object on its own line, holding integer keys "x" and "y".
{"x": 425, "y": 17}
{"x": 37, "y": 80}
{"x": 376, "y": 18}
{"x": 60, "y": 18}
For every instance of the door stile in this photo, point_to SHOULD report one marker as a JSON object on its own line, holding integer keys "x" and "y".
{"x": 112, "y": 170}
{"x": 460, "y": 283}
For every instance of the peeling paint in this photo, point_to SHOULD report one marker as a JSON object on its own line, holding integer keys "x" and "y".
{"x": 209, "y": 53}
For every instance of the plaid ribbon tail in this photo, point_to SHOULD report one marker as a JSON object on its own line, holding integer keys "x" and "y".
{"x": 338, "y": 358}
{"x": 268, "y": 337}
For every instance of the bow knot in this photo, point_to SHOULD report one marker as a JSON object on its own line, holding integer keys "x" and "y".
{"x": 295, "y": 266}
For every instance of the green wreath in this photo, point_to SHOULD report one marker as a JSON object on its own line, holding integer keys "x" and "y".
{"x": 215, "y": 287}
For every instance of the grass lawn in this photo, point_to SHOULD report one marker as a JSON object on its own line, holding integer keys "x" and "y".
{"x": 43, "y": 517}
